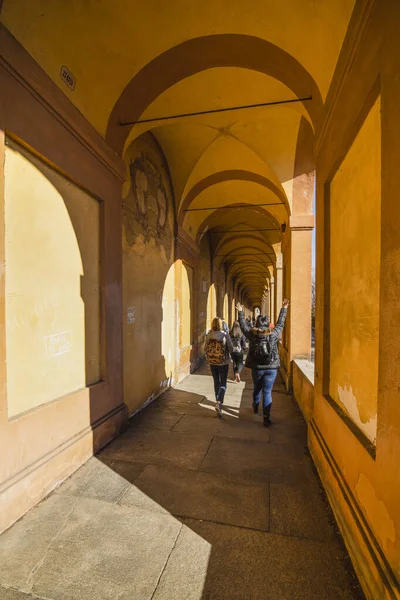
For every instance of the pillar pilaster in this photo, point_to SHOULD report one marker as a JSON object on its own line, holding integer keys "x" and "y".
{"x": 299, "y": 245}
{"x": 278, "y": 286}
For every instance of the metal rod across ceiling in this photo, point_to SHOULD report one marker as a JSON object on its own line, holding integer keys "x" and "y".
{"x": 253, "y": 254}
{"x": 244, "y": 230}
{"x": 215, "y": 110}
{"x": 233, "y": 207}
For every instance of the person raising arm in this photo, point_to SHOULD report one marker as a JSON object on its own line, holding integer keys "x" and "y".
{"x": 263, "y": 357}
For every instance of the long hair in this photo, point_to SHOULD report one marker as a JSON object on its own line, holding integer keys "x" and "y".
{"x": 216, "y": 324}
{"x": 262, "y": 322}
{"x": 236, "y": 331}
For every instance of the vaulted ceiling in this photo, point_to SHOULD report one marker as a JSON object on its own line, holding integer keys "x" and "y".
{"x": 141, "y": 61}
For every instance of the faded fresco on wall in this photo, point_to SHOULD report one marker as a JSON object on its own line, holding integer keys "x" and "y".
{"x": 146, "y": 206}
{"x": 148, "y": 280}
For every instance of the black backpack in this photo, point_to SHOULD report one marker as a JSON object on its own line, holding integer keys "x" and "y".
{"x": 262, "y": 351}
{"x": 237, "y": 345}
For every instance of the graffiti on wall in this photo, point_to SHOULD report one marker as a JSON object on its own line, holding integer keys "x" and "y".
{"x": 146, "y": 206}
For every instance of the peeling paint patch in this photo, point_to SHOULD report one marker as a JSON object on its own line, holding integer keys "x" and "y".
{"x": 375, "y": 511}
{"x": 349, "y": 401}
{"x": 131, "y": 315}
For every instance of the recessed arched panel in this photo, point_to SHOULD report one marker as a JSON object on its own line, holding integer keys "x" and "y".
{"x": 52, "y": 283}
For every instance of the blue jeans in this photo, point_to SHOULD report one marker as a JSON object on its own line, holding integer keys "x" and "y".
{"x": 263, "y": 380}
{"x": 220, "y": 376}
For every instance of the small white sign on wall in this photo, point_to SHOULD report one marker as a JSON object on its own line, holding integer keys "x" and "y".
{"x": 67, "y": 77}
{"x": 58, "y": 343}
{"x": 204, "y": 286}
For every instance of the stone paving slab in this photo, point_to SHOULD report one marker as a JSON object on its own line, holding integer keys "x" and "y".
{"x": 225, "y": 427}
{"x": 180, "y": 408}
{"x": 159, "y": 447}
{"x": 287, "y": 430}
{"x": 156, "y": 419}
{"x": 264, "y": 566}
{"x": 299, "y": 511}
{"x": 10, "y": 594}
{"x": 104, "y": 481}
{"x": 186, "y": 571}
{"x": 71, "y": 548}
{"x": 278, "y": 463}
{"x": 95, "y": 480}
{"x": 177, "y": 395}
{"x": 204, "y": 496}
{"x": 126, "y": 469}
{"x": 248, "y": 517}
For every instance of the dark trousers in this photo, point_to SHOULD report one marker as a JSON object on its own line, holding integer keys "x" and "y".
{"x": 220, "y": 376}
{"x": 237, "y": 358}
{"x": 263, "y": 380}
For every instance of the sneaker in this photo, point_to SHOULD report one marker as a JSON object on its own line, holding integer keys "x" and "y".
{"x": 218, "y": 409}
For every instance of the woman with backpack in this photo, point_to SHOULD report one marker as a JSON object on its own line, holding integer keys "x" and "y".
{"x": 239, "y": 346}
{"x": 263, "y": 356}
{"x": 217, "y": 348}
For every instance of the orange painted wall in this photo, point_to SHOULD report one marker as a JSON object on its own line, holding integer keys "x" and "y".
{"x": 362, "y": 478}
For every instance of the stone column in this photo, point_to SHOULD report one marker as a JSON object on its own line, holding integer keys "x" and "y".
{"x": 271, "y": 294}
{"x": 299, "y": 245}
{"x": 267, "y": 301}
{"x": 264, "y": 304}
{"x": 278, "y": 286}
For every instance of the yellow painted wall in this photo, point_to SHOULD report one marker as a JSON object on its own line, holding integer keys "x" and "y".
{"x": 186, "y": 305}
{"x": 52, "y": 283}
{"x": 226, "y": 308}
{"x": 169, "y": 340}
{"x": 203, "y": 295}
{"x": 148, "y": 279}
{"x": 355, "y": 272}
{"x": 233, "y": 310}
{"x": 108, "y": 34}
{"x": 211, "y": 305}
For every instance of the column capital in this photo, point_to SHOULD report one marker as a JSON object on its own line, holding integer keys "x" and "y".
{"x": 301, "y": 223}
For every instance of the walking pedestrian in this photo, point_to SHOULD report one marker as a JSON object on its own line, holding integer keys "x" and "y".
{"x": 218, "y": 347}
{"x": 239, "y": 346}
{"x": 263, "y": 357}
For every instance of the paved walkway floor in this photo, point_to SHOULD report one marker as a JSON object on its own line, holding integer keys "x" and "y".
{"x": 186, "y": 506}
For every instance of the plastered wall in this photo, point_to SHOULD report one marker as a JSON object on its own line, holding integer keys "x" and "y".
{"x": 357, "y": 166}
{"x": 60, "y": 257}
{"x": 150, "y": 304}
{"x": 52, "y": 256}
{"x": 355, "y": 238}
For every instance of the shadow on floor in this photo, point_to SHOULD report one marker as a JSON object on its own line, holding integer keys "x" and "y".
{"x": 186, "y": 506}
